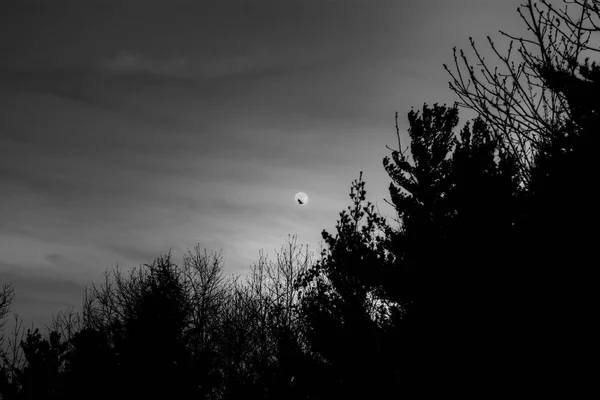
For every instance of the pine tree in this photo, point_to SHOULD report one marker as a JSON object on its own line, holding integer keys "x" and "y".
{"x": 456, "y": 202}
{"x": 351, "y": 324}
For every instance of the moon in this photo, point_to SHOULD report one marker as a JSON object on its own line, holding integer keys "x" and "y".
{"x": 301, "y": 198}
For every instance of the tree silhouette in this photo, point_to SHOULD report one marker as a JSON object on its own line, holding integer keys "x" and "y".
{"x": 7, "y": 295}
{"x": 518, "y": 106}
{"x": 261, "y": 335}
{"x": 456, "y": 202}
{"x": 204, "y": 275}
{"x": 143, "y": 318}
{"x": 420, "y": 194}
{"x": 348, "y": 316}
{"x": 285, "y": 361}
{"x": 188, "y": 330}
{"x": 41, "y": 377}
{"x": 546, "y": 108}
{"x": 92, "y": 363}
{"x": 12, "y": 359}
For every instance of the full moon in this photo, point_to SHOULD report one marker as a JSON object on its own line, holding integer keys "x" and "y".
{"x": 301, "y": 198}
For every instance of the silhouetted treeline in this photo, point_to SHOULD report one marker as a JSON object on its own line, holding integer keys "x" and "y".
{"x": 482, "y": 284}
{"x": 167, "y": 331}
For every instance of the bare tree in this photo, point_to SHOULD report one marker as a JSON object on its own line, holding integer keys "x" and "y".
{"x": 13, "y": 358}
{"x": 519, "y": 105}
{"x": 105, "y": 306}
{"x": 255, "y": 314}
{"x": 10, "y": 352}
{"x": 271, "y": 284}
{"x": 66, "y": 323}
{"x": 7, "y": 295}
{"x": 203, "y": 273}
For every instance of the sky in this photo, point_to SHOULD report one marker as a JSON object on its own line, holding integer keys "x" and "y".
{"x": 129, "y": 128}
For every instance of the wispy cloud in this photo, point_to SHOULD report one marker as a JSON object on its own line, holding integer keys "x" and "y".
{"x": 250, "y": 64}
{"x": 125, "y": 61}
{"x": 109, "y": 91}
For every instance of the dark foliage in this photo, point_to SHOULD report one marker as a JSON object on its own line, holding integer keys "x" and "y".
{"x": 41, "y": 377}
{"x": 544, "y": 110}
{"x": 348, "y": 316}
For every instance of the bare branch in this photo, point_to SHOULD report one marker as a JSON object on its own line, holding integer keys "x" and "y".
{"x": 517, "y": 104}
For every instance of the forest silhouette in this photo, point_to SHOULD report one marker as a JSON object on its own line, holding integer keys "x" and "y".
{"x": 482, "y": 284}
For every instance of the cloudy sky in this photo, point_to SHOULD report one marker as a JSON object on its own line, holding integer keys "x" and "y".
{"x": 131, "y": 127}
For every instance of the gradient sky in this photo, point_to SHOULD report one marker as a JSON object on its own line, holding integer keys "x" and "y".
{"x": 131, "y": 127}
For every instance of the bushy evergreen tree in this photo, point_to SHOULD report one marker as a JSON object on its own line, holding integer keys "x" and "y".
{"x": 41, "y": 378}
{"x": 456, "y": 201}
{"x": 349, "y": 317}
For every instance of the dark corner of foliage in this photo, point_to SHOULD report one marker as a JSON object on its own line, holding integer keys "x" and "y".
{"x": 481, "y": 285}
